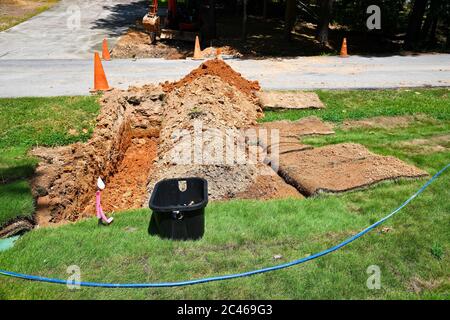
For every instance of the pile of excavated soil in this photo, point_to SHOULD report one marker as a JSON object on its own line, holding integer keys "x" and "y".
{"x": 218, "y": 68}
{"x": 67, "y": 176}
{"x": 197, "y": 126}
{"x": 220, "y": 111}
{"x": 133, "y": 145}
{"x": 341, "y": 167}
{"x": 207, "y": 100}
{"x": 136, "y": 44}
{"x": 289, "y": 100}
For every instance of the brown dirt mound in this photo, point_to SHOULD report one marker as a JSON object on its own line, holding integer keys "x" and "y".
{"x": 123, "y": 149}
{"x": 218, "y": 68}
{"x": 216, "y": 105}
{"x": 136, "y": 44}
{"x": 341, "y": 167}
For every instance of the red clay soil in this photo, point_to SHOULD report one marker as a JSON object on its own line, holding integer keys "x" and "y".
{"x": 65, "y": 180}
{"x": 127, "y": 188}
{"x": 220, "y": 69}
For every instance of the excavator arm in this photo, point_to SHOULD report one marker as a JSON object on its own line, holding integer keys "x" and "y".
{"x": 151, "y": 22}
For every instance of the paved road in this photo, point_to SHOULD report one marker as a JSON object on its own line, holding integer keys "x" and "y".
{"x": 71, "y": 29}
{"x": 74, "y": 77}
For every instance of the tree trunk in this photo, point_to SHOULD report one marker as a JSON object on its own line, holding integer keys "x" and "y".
{"x": 244, "y": 20}
{"x": 265, "y": 9}
{"x": 289, "y": 18}
{"x": 432, "y": 36}
{"x": 212, "y": 19}
{"x": 428, "y": 31}
{"x": 447, "y": 42}
{"x": 415, "y": 24}
{"x": 326, "y": 7}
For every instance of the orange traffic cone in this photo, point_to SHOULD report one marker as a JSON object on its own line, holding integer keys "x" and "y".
{"x": 197, "y": 51}
{"x": 105, "y": 51}
{"x": 100, "y": 82}
{"x": 344, "y": 49}
{"x": 219, "y": 53}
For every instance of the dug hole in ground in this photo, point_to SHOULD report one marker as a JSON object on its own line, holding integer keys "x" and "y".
{"x": 140, "y": 131}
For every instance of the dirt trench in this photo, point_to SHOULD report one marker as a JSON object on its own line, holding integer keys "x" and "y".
{"x": 121, "y": 152}
{"x": 146, "y": 134}
{"x": 134, "y": 140}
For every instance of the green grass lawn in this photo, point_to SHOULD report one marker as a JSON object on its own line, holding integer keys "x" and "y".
{"x": 412, "y": 252}
{"x": 31, "y": 122}
{"x": 13, "y": 12}
{"x": 359, "y": 104}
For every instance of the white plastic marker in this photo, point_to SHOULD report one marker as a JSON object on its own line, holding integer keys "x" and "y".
{"x": 100, "y": 184}
{"x": 102, "y": 219}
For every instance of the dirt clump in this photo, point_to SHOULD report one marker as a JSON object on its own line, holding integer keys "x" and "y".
{"x": 217, "y": 68}
{"x": 285, "y": 146}
{"x": 341, "y": 167}
{"x": 290, "y": 100}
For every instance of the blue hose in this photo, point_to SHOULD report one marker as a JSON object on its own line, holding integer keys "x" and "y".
{"x": 230, "y": 276}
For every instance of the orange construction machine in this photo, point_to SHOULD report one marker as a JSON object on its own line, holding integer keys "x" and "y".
{"x": 174, "y": 21}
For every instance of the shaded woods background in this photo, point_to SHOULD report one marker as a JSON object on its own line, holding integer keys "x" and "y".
{"x": 319, "y": 25}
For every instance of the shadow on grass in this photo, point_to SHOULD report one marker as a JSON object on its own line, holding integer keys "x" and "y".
{"x": 16, "y": 172}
